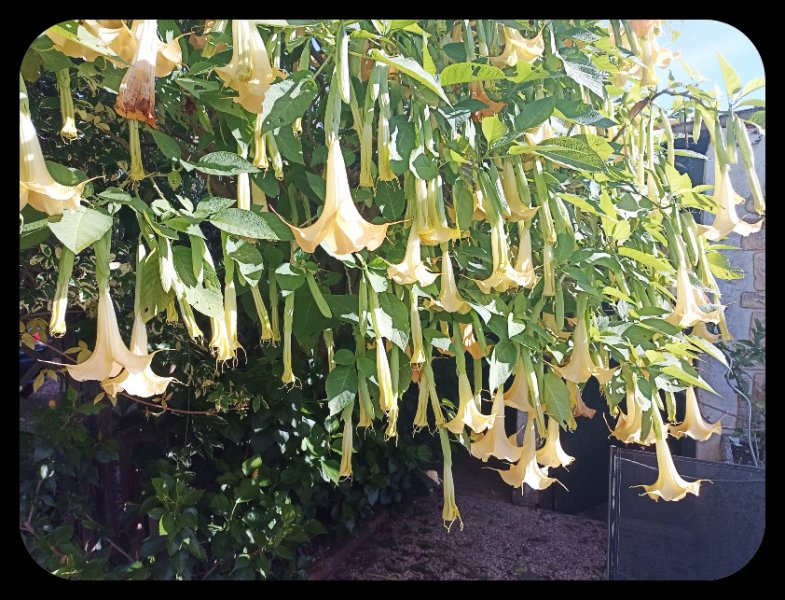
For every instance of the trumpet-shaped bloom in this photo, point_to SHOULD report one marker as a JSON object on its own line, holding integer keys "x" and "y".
{"x": 579, "y": 408}
{"x": 628, "y": 427}
{"x": 249, "y": 72}
{"x": 552, "y": 454}
{"x": 726, "y": 221}
{"x": 702, "y": 331}
{"x": 518, "y": 210}
{"x": 387, "y": 399}
{"x": 347, "y": 446}
{"x": 450, "y": 298}
{"x": 412, "y": 269}
{"x": 468, "y": 413}
{"x": 340, "y": 228}
{"x": 470, "y": 343}
{"x": 431, "y": 221}
{"x": 518, "y": 394}
{"x": 504, "y": 275}
{"x": 694, "y": 426}
{"x": 136, "y": 98}
{"x": 518, "y": 48}
{"x": 542, "y": 132}
{"x": 477, "y": 91}
{"x": 526, "y": 470}
{"x": 450, "y": 511}
{"x": 689, "y": 299}
{"x": 669, "y": 485}
{"x": 219, "y": 340}
{"x": 580, "y": 367}
{"x": 110, "y": 355}
{"x": 652, "y": 55}
{"x": 65, "y": 268}
{"x": 418, "y": 351}
{"x": 36, "y": 185}
{"x": 495, "y": 441}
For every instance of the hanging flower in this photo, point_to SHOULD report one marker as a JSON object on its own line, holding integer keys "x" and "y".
{"x": 504, "y": 275}
{"x": 580, "y": 367}
{"x": 495, "y": 441}
{"x": 518, "y": 210}
{"x": 689, "y": 300}
{"x": 450, "y": 298}
{"x": 36, "y": 185}
{"x": 470, "y": 343}
{"x": 540, "y": 133}
{"x": 345, "y": 469}
{"x": 340, "y": 228}
{"x": 701, "y": 330}
{"x": 628, "y": 427}
{"x": 65, "y": 268}
{"x": 579, "y": 408}
{"x": 552, "y": 454}
{"x": 431, "y": 221}
{"x": 450, "y": 511}
{"x": 526, "y": 470}
{"x": 727, "y": 221}
{"x": 387, "y": 399}
{"x": 136, "y": 98}
{"x": 693, "y": 425}
{"x": 412, "y": 269}
{"x": 418, "y": 351}
{"x": 669, "y": 485}
{"x": 518, "y": 395}
{"x": 518, "y": 48}
{"x": 249, "y": 72}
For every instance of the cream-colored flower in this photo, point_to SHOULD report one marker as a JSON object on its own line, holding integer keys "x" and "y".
{"x": 468, "y": 413}
{"x": 431, "y": 220}
{"x": 387, "y": 399}
{"x": 36, "y": 185}
{"x": 418, "y": 351}
{"x": 526, "y": 470}
{"x": 219, "y": 340}
{"x": 693, "y": 425}
{"x": 495, "y": 441}
{"x": 341, "y": 229}
{"x": 518, "y": 210}
{"x": 669, "y": 485}
{"x": 542, "y": 132}
{"x": 470, "y": 343}
{"x": 249, "y": 72}
{"x": 347, "y": 446}
{"x": 450, "y": 511}
{"x": 580, "y": 367}
{"x": 518, "y": 394}
{"x": 726, "y": 221}
{"x": 65, "y": 268}
{"x": 412, "y": 269}
{"x": 628, "y": 427}
{"x": 702, "y": 331}
{"x": 689, "y": 299}
{"x": 136, "y": 97}
{"x": 450, "y": 298}
{"x": 579, "y": 408}
{"x": 518, "y": 48}
{"x": 552, "y": 454}
{"x": 504, "y": 275}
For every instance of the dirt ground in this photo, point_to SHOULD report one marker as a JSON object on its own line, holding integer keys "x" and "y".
{"x": 500, "y": 540}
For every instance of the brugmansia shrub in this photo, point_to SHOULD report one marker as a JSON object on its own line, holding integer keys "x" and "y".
{"x": 375, "y": 196}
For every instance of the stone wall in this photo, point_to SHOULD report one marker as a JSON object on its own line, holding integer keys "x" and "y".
{"x": 745, "y": 300}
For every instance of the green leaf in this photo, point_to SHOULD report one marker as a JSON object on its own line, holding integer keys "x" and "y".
{"x": 502, "y": 363}
{"x": 390, "y": 199}
{"x": 569, "y": 151}
{"x": 55, "y": 60}
{"x": 33, "y": 233}
{"x": 423, "y": 166}
{"x": 586, "y": 75}
{"x": 732, "y": 81}
{"x": 412, "y": 68}
{"x": 168, "y": 147}
{"x": 80, "y": 228}
{"x": 393, "y": 320}
{"x": 464, "y": 204}
{"x": 289, "y": 277}
{"x": 753, "y": 85}
{"x": 207, "y": 301}
{"x": 720, "y": 266}
{"x": 647, "y": 259}
{"x": 343, "y": 357}
{"x": 493, "y": 128}
{"x": 262, "y": 226}
{"x": 183, "y": 265}
{"x": 534, "y": 113}
{"x": 221, "y": 163}
{"x": 287, "y": 100}
{"x": 466, "y": 72}
{"x": 152, "y": 297}
{"x": 247, "y": 258}
{"x": 290, "y": 146}
{"x": 709, "y": 348}
{"x": 585, "y": 114}
{"x": 341, "y": 388}
{"x": 579, "y": 202}
{"x": 758, "y": 118}
{"x": 679, "y": 373}
{"x": 557, "y": 399}
{"x": 210, "y": 206}
{"x": 403, "y": 141}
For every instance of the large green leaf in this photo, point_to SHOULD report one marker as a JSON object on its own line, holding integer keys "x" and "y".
{"x": 413, "y": 69}
{"x": 287, "y": 100}
{"x": 557, "y": 399}
{"x": 493, "y": 129}
{"x": 403, "y": 140}
{"x": 679, "y": 373}
{"x": 168, "y": 147}
{"x": 503, "y": 362}
{"x": 587, "y": 75}
{"x": 583, "y": 113}
{"x": 247, "y": 258}
{"x": 466, "y": 72}
{"x": 152, "y": 297}
{"x": 534, "y": 113}
{"x": 262, "y": 226}
{"x": 341, "y": 387}
{"x": 732, "y": 81}
{"x": 569, "y": 151}
{"x": 80, "y": 228}
{"x": 647, "y": 259}
{"x": 221, "y": 163}
{"x": 393, "y": 320}
{"x": 720, "y": 266}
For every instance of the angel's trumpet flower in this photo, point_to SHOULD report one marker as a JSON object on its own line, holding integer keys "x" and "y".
{"x": 504, "y": 275}
{"x": 136, "y": 98}
{"x": 412, "y": 269}
{"x": 249, "y": 72}
{"x": 526, "y": 470}
{"x": 579, "y": 408}
{"x": 347, "y": 446}
{"x": 552, "y": 454}
{"x": 450, "y": 298}
{"x": 68, "y": 130}
{"x": 701, "y": 330}
{"x": 518, "y": 48}
{"x": 669, "y": 485}
{"x": 431, "y": 219}
{"x": 726, "y": 221}
{"x": 518, "y": 394}
{"x": 651, "y": 54}
{"x": 580, "y": 367}
{"x": 194, "y": 332}
{"x": 340, "y": 228}
{"x": 418, "y": 351}
{"x": 542, "y": 132}
{"x": 470, "y": 343}
{"x": 450, "y": 511}
{"x": 628, "y": 427}
{"x": 495, "y": 441}
{"x": 387, "y": 400}
{"x": 518, "y": 210}
{"x": 65, "y": 268}
{"x": 288, "y": 377}
{"x": 477, "y": 91}
{"x": 468, "y": 413}
{"x": 36, "y": 185}
{"x": 694, "y": 426}
{"x": 524, "y": 264}
{"x": 689, "y": 299}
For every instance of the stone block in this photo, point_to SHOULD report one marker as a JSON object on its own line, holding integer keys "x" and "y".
{"x": 756, "y": 241}
{"x": 754, "y": 300}
{"x": 759, "y": 271}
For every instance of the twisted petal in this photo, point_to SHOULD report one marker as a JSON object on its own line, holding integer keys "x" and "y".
{"x": 694, "y": 426}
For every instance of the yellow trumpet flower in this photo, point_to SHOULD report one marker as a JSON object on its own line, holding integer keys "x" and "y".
{"x": 552, "y": 454}
{"x": 628, "y": 427}
{"x": 450, "y": 298}
{"x": 412, "y": 269}
{"x": 580, "y": 367}
{"x": 249, "y": 72}
{"x": 689, "y": 299}
{"x": 726, "y": 221}
{"x": 518, "y": 48}
{"x": 450, "y": 511}
{"x": 387, "y": 400}
{"x": 468, "y": 413}
{"x": 495, "y": 441}
{"x": 504, "y": 275}
{"x": 669, "y": 485}
{"x": 579, "y": 408}
{"x": 518, "y": 394}
{"x": 477, "y": 91}
{"x": 693, "y": 425}
{"x": 136, "y": 98}
{"x": 65, "y": 268}
{"x": 431, "y": 220}
{"x": 418, "y": 351}
{"x": 341, "y": 229}
{"x": 518, "y": 210}
{"x": 347, "y": 446}
{"x": 219, "y": 340}
{"x": 36, "y": 185}
{"x": 526, "y": 470}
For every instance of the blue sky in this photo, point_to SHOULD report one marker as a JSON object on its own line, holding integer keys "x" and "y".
{"x": 700, "y": 40}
